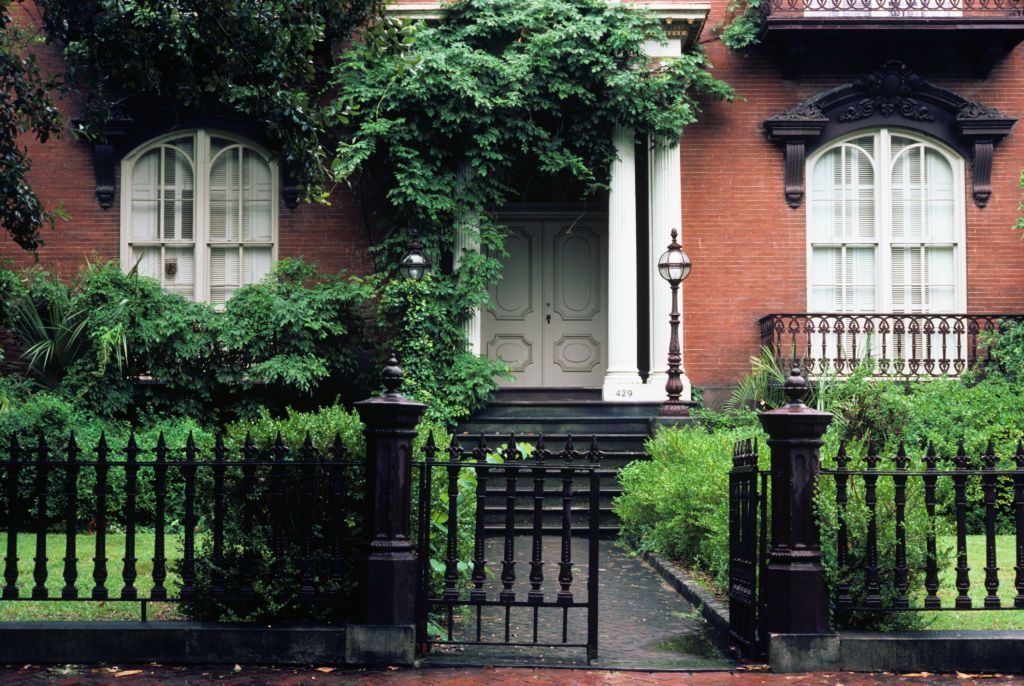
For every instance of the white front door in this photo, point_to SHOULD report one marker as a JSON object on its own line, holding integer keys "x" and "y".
{"x": 547, "y": 316}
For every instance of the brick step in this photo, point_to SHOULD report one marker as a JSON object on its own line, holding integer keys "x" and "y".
{"x": 574, "y": 424}
{"x": 608, "y": 442}
{"x": 584, "y": 408}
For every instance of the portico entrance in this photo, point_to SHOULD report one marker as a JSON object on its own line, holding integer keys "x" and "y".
{"x": 548, "y": 314}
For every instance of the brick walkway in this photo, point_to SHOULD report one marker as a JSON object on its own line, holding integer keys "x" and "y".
{"x": 643, "y": 622}
{"x": 221, "y": 676}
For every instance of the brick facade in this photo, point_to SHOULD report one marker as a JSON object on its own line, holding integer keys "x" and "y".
{"x": 748, "y": 246}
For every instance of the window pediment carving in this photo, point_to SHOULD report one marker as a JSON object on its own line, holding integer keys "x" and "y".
{"x": 892, "y": 95}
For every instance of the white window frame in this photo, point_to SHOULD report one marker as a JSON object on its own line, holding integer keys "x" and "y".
{"x": 883, "y": 215}
{"x": 202, "y": 164}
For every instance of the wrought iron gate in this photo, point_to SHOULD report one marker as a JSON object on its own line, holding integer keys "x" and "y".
{"x": 748, "y": 533}
{"x": 464, "y": 601}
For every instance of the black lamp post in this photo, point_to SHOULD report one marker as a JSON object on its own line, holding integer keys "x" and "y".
{"x": 414, "y": 264}
{"x": 674, "y": 266}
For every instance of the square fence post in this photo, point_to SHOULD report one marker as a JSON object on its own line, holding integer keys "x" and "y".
{"x": 388, "y": 567}
{"x": 796, "y": 598}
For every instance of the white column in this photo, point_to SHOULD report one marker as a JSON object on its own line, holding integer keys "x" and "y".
{"x": 467, "y": 239}
{"x": 665, "y": 199}
{"x": 622, "y": 380}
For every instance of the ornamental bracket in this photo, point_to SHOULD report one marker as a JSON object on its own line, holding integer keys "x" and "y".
{"x": 892, "y": 96}
{"x": 105, "y": 156}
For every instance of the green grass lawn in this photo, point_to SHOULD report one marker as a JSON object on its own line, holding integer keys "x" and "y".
{"x": 91, "y": 610}
{"x": 130, "y": 610}
{"x": 979, "y": 619}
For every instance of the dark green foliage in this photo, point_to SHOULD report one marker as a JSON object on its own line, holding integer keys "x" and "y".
{"x": 264, "y": 61}
{"x": 452, "y": 108}
{"x": 665, "y": 508}
{"x": 743, "y": 30}
{"x": 857, "y": 516}
{"x": 677, "y": 502}
{"x": 1020, "y": 220}
{"x": 1007, "y": 351}
{"x": 426, "y": 317}
{"x": 26, "y": 106}
{"x": 439, "y": 521}
{"x": 276, "y": 589}
{"x": 298, "y": 333}
{"x": 123, "y": 348}
{"x": 57, "y": 419}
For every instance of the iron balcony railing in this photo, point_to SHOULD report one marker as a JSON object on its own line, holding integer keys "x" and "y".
{"x": 871, "y": 10}
{"x": 889, "y": 345}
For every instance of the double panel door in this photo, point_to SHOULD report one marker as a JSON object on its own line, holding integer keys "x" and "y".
{"x": 547, "y": 315}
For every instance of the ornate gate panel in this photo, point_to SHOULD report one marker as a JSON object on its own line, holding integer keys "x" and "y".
{"x": 747, "y": 549}
{"x": 513, "y": 599}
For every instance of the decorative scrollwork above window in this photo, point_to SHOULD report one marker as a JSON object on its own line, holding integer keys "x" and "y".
{"x": 892, "y": 95}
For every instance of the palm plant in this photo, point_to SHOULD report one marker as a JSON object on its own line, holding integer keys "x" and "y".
{"x": 53, "y": 332}
{"x": 762, "y": 387}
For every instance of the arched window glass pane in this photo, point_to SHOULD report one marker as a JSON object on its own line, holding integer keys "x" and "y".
{"x": 240, "y": 218}
{"x": 162, "y": 227}
{"x": 843, "y": 193}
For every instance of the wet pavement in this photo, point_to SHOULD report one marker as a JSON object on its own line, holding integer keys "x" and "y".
{"x": 326, "y": 676}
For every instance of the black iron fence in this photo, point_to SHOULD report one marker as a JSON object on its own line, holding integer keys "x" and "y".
{"x": 236, "y": 517}
{"x": 479, "y": 602}
{"x": 888, "y": 587}
{"x": 893, "y": 345}
{"x": 873, "y": 9}
{"x": 903, "y": 528}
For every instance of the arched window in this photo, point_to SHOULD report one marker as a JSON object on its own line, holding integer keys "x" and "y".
{"x": 886, "y": 225}
{"x": 198, "y": 213}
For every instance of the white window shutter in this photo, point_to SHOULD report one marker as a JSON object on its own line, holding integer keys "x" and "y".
{"x": 145, "y": 197}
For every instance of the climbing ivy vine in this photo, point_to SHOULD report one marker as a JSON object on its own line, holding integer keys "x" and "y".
{"x": 1020, "y": 220}
{"x": 743, "y": 28}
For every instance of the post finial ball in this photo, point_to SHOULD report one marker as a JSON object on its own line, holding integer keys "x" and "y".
{"x": 796, "y": 387}
{"x": 392, "y": 375}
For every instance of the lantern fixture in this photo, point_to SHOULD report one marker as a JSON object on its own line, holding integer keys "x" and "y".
{"x": 414, "y": 264}
{"x": 674, "y": 264}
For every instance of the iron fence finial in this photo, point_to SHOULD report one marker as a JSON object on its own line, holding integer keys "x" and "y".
{"x": 392, "y": 375}
{"x": 796, "y": 387}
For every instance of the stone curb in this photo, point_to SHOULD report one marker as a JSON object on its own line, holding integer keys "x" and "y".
{"x": 191, "y": 643}
{"x": 714, "y": 611}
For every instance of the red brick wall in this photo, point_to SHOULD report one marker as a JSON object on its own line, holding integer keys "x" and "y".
{"x": 748, "y": 246}
{"x": 332, "y": 235}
